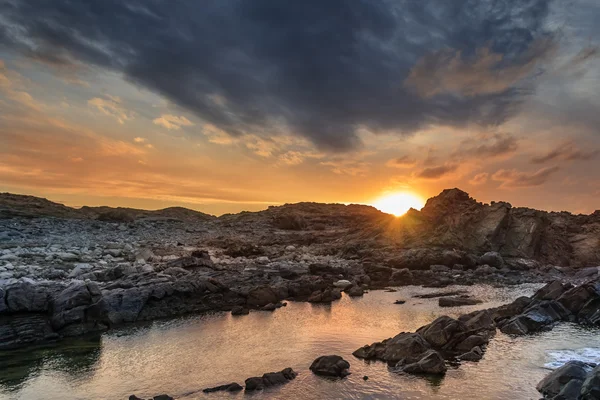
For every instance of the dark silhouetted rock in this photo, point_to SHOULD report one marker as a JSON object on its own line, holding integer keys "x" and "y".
{"x": 554, "y": 382}
{"x": 334, "y": 366}
{"x": 457, "y": 301}
{"x": 230, "y": 387}
{"x": 239, "y": 310}
{"x": 430, "y": 363}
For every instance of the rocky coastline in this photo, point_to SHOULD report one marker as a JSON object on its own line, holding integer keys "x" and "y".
{"x": 69, "y": 272}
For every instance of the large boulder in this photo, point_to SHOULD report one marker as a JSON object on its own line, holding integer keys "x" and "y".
{"x": 590, "y": 389}
{"x": 440, "y": 332}
{"x": 554, "y": 382}
{"x": 261, "y": 296}
{"x": 457, "y": 301}
{"x": 333, "y": 366}
{"x": 404, "y": 346}
{"x": 493, "y": 259}
{"x": 574, "y": 299}
{"x": 270, "y": 379}
{"x": 430, "y": 363}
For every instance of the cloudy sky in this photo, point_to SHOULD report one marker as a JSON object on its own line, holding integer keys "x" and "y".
{"x": 229, "y": 105}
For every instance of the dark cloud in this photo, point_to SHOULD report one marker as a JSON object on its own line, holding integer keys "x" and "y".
{"x": 566, "y": 152}
{"x": 320, "y": 69}
{"x": 486, "y": 146}
{"x": 437, "y": 172}
{"x": 517, "y": 179}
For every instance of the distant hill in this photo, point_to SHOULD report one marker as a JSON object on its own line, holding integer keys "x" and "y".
{"x": 16, "y": 205}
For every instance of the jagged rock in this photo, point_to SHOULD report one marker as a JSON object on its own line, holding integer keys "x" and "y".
{"x": 270, "y": 379}
{"x": 230, "y": 387}
{"x": 430, "y": 363}
{"x": 475, "y": 354}
{"x": 261, "y": 296}
{"x": 554, "y": 382}
{"x": 334, "y": 366}
{"x": 457, "y": 301}
{"x": 407, "y": 346}
{"x": 441, "y": 331}
{"x": 590, "y": 388}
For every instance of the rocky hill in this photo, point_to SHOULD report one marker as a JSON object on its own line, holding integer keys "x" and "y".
{"x": 22, "y": 206}
{"x": 452, "y": 220}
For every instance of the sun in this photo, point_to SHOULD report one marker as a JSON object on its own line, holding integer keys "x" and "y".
{"x": 398, "y": 203}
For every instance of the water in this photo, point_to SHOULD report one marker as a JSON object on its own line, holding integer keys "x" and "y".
{"x": 183, "y": 356}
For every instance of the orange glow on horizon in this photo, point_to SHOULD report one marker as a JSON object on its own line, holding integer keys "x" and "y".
{"x": 398, "y": 203}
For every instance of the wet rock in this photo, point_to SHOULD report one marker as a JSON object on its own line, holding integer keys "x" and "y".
{"x": 440, "y": 294}
{"x": 261, "y": 296}
{"x": 270, "y": 379}
{"x": 475, "y": 354}
{"x": 554, "y": 382}
{"x": 400, "y": 302}
{"x": 404, "y": 346}
{"x": 325, "y": 296}
{"x": 325, "y": 269}
{"x": 239, "y": 310}
{"x": 590, "y": 388}
{"x": 430, "y": 363}
{"x": 333, "y": 366}
{"x": 162, "y": 397}
{"x": 355, "y": 291}
{"x": 457, "y": 301}
{"x": 401, "y": 276}
{"x": 441, "y": 331}
{"x": 230, "y": 387}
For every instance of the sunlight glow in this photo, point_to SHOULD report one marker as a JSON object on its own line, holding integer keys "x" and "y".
{"x": 398, "y": 203}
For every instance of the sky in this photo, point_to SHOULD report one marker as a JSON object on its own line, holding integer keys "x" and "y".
{"x": 231, "y": 105}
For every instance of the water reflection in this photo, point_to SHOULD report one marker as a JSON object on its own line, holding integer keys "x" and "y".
{"x": 77, "y": 358}
{"x": 181, "y": 357}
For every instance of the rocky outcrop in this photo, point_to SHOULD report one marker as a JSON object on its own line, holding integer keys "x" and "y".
{"x": 465, "y": 338}
{"x": 332, "y": 366}
{"x": 230, "y": 387}
{"x": 270, "y": 379}
{"x": 573, "y": 381}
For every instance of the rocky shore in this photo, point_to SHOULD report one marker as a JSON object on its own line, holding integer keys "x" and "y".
{"x": 66, "y": 272}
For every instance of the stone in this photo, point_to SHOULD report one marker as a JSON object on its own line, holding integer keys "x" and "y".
{"x": 440, "y": 331}
{"x": 430, "y": 363}
{"x": 493, "y": 259}
{"x": 230, "y": 387}
{"x": 590, "y": 389}
{"x": 333, "y": 366}
{"x": 400, "y": 302}
{"x": 404, "y": 346}
{"x": 457, "y": 301}
{"x": 162, "y": 397}
{"x": 342, "y": 284}
{"x": 261, "y": 296}
{"x": 270, "y": 379}
{"x": 239, "y": 310}
{"x": 355, "y": 291}
{"x": 475, "y": 354}
{"x": 439, "y": 268}
{"x": 554, "y": 382}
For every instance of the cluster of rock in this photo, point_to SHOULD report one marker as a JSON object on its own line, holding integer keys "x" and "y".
{"x": 575, "y": 380}
{"x": 65, "y": 272}
{"x": 465, "y": 338}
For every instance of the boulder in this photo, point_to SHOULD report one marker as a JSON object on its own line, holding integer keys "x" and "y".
{"x": 355, "y": 291}
{"x": 441, "y": 331}
{"x": 270, "y": 379}
{"x": 475, "y": 354}
{"x": 554, "y": 382}
{"x": 590, "y": 388}
{"x": 261, "y": 296}
{"x": 333, "y": 366}
{"x": 401, "y": 276}
{"x": 574, "y": 299}
{"x": 325, "y": 296}
{"x": 404, "y": 346}
{"x": 457, "y": 301}
{"x": 342, "y": 284}
{"x": 230, "y": 387}
{"x": 430, "y": 363}
{"x": 492, "y": 259}
{"x": 240, "y": 310}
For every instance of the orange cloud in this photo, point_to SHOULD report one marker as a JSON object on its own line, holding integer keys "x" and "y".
{"x": 172, "y": 122}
